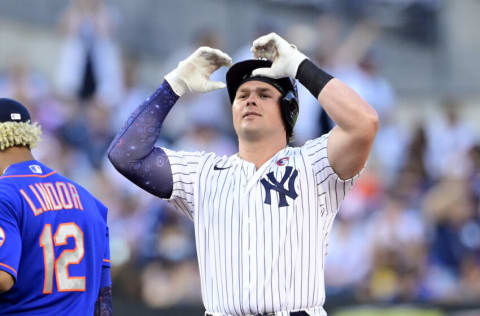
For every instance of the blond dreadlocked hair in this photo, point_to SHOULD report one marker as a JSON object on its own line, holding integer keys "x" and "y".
{"x": 19, "y": 134}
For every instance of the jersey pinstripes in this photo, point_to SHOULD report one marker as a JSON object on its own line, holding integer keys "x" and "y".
{"x": 256, "y": 257}
{"x": 184, "y": 169}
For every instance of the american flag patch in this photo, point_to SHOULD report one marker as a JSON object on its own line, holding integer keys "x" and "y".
{"x": 283, "y": 161}
{"x": 15, "y": 116}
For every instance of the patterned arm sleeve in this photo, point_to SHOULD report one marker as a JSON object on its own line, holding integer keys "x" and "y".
{"x": 133, "y": 153}
{"x": 103, "y": 305}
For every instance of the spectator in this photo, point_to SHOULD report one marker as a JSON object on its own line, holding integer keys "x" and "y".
{"x": 89, "y": 63}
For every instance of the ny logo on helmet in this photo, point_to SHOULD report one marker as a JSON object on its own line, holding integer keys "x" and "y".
{"x": 279, "y": 187}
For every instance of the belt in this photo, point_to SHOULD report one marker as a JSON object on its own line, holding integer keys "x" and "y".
{"x": 299, "y": 313}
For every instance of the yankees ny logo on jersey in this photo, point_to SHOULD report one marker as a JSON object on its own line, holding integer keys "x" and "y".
{"x": 279, "y": 187}
{"x": 254, "y": 256}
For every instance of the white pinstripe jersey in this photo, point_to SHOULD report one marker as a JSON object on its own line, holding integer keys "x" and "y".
{"x": 261, "y": 235}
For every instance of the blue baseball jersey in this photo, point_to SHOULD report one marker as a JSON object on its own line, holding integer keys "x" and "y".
{"x": 53, "y": 241}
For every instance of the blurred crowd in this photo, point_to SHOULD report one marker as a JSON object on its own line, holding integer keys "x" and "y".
{"x": 409, "y": 230}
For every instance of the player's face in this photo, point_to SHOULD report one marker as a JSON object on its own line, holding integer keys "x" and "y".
{"x": 256, "y": 111}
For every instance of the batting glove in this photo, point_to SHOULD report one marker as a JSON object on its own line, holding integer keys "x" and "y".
{"x": 193, "y": 74}
{"x": 284, "y": 56}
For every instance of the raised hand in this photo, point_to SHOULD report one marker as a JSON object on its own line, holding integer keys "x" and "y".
{"x": 193, "y": 74}
{"x": 284, "y": 56}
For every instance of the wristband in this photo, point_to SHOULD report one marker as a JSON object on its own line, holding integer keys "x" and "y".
{"x": 312, "y": 77}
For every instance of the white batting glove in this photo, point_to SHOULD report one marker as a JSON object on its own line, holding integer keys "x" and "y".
{"x": 284, "y": 56}
{"x": 193, "y": 74}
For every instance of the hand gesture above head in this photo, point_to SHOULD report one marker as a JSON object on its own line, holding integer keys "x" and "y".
{"x": 284, "y": 56}
{"x": 193, "y": 74}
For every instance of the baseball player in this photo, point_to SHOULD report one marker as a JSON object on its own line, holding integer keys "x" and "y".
{"x": 54, "y": 251}
{"x": 262, "y": 216}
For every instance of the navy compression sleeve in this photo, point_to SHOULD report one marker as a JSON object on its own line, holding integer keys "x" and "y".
{"x": 103, "y": 305}
{"x": 133, "y": 153}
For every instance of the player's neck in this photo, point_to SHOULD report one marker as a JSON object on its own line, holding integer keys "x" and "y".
{"x": 14, "y": 155}
{"x": 259, "y": 152}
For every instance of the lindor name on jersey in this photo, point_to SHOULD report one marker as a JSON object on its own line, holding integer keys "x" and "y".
{"x": 47, "y": 196}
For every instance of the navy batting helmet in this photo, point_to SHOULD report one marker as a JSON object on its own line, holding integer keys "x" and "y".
{"x": 242, "y": 72}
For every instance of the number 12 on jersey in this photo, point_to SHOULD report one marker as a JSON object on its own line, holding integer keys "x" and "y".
{"x": 59, "y": 266}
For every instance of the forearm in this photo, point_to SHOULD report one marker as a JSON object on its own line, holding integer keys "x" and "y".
{"x": 133, "y": 151}
{"x": 142, "y": 129}
{"x": 344, "y": 106}
{"x": 348, "y": 110}
{"x": 356, "y": 122}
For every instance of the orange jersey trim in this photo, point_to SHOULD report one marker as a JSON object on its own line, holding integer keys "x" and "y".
{"x": 107, "y": 260}
{"x": 8, "y": 267}
{"x": 29, "y": 175}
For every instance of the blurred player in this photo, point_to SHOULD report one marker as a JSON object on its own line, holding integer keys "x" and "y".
{"x": 262, "y": 217}
{"x": 54, "y": 244}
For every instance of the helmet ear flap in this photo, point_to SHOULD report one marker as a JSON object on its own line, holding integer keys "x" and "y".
{"x": 289, "y": 107}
